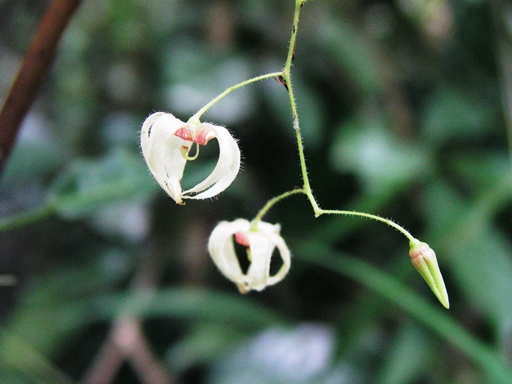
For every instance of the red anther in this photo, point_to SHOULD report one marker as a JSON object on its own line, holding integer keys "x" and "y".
{"x": 203, "y": 137}
{"x": 241, "y": 239}
{"x": 185, "y": 134}
{"x": 200, "y": 138}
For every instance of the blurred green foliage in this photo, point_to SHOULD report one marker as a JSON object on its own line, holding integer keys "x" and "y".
{"x": 404, "y": 114}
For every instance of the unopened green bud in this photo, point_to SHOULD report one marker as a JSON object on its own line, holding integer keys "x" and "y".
{"x": 425, "y": 261}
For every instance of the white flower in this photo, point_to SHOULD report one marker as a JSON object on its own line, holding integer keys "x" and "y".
{"x": 166, "y": 142}
{"x": 260, "y": 245}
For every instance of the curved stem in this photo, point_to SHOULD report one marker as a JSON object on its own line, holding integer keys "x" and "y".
{"x": 271, "y": 203}
{"x": 305, "y": 178}
{"x": 185, "y": 151}
{"x": 369, "y": 216}
{"x": 195, "y": 119}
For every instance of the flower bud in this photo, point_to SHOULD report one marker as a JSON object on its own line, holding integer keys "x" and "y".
{"x": 424, "y": 260}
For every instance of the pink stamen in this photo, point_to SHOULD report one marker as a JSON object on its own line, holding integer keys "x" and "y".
{"x": 185, "y": 134}
{"x": 201, "y": 138}
{"x": 242, "y": 239}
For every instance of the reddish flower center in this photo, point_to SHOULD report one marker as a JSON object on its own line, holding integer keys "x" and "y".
{"x": 202, "y": 137}
{"x": 241, "y": 239}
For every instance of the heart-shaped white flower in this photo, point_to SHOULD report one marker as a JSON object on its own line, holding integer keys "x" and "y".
{"x": 166, "y": 142}
{"x": 260, "y": 245}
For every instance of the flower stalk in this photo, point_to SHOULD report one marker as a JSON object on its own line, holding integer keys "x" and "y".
{"x": 195, "y": 119}
{"x": 166, "y": 143}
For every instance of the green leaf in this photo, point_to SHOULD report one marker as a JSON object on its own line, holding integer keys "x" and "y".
{"x": 479, "y": 254}
{"x": 21, "y": 363}
{"x": 190, "y": 303}
{"x": 454, "y": 114}
{"x": 203, "y": 345}
{"x": 402, "y": 296}
{"x": 351, "y": 50}
{"x": 368, "y": 148}
{"x": 481, "y": 171}
{"x": 88, "y": 185}
{"x": 408, "y": 357}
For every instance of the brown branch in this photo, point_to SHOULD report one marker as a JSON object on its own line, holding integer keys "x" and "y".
{"x": 106, "y": 364}
{"x": 126, "y": 341}
{"x": 35, "y": 67}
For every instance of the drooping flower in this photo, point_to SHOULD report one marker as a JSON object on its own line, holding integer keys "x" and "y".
{"x": 166, "y": 142}
{"x": 425, "y": 261}
{"x": 260, "y": 244}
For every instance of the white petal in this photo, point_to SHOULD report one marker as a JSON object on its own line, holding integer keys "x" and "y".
{"x": 286, "y": 258}
{"x": 226, "y": 169}
{"x": 262, "y": 245}
{"x": 222, "y": 250}
{"x": 261, "y": 252}
{"x": 162, "y": 151}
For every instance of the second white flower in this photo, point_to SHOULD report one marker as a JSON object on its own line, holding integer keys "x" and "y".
{"x": 260, "y": 242}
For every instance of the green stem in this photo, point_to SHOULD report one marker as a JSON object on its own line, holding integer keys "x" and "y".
{"x": 26, "y": 218}
{"x": 270, "y": 204}
{"x": 305, "y": 178}
{"x": 288, "y": 64}
{"x": 288, "y": 83}
{"x": 195, "y": 119}
{"x": 369, "y": 216}
{"x": 293, "y": 38}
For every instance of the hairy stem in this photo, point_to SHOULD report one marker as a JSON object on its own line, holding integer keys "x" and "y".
{"x": 195, "y": 119}
{"x": 271, "y": 203}
{"x": 369, "y": 216}
{"x": 305, "y": 178}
